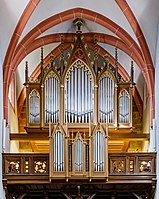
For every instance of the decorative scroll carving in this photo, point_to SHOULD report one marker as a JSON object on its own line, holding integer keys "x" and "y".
{"x": 14, "y": 166}
{"x": 145, "y": 166}
{"x": 40, "y": 166}
{"x": 118, "y": 166}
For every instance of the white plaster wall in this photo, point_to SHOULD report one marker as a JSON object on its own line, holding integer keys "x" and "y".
{"x": 2, "y": 193}
{"x": 157, "y": 111}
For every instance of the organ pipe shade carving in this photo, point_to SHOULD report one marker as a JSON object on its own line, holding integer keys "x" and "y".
{"x": 79, "y": 93}
{"x": 98, "y": 139}
{"x": 34, "y": 107}
{"x": 78, "y": 152}
{"x": 51, "y": 99}
{"x": 124, "y": 107}
{"x": 106, "y": 100}
{"x": 58, "y": 151}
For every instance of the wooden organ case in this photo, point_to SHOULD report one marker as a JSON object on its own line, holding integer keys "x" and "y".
{"x": 78, "y": 98}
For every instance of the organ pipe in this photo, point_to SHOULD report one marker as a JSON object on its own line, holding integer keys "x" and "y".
{"x": 58, "y": 151}
{"x": 124, "y": 107}
{"x": 51, "y": 99}
{"x": 106, "y": 100}
{"x": 79, "y": 94}
{"x": 98, "y": 151}
{"x": 78, "y": 155}
{"x": 34, "y": 107}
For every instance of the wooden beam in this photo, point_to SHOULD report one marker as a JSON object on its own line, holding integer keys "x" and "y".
{"x": 112, "y": 136}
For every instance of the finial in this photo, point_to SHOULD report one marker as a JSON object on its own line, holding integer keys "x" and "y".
{"x": 41, "y": 55}
{"x": 26, "y": 72}
{"x": 42, "y": 63}
{"x": 132, "y": 72}
{"x": 106, "y": 59}
{"x": 116, "y": 55}
{"x": 116, "y": 63}
{"x": 52, "y": 59}
{"x": 78, "y": 22}
{"x": 62, "y": 61}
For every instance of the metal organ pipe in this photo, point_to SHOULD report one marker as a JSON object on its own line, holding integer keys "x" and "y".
{"x": 106, "y": 99}
{"x": 124, "y": 104}
{"x": 78, "y": 155}
{"x": 51, "y": 100}
{"x": 79, "y": 94}
{"x": 34, "y": 107}
{"x": 58, "y": 151}
{"x": 98, "y": 151}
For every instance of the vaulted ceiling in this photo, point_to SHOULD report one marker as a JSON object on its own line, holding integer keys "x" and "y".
{"x": 133, "y": 25}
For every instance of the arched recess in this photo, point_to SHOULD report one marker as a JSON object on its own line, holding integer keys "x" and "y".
{"x": 101, "y": 52}
{"x": 61, "y": 17}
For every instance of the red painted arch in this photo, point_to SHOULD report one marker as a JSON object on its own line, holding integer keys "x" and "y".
{"x": 12, "y": 46}
{"x": 68, "y": 37}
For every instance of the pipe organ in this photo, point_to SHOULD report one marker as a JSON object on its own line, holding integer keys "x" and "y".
{"x": 80, "y": 99}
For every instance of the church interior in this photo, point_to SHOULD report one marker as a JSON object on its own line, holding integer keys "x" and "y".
{"x": 79, "y": 102}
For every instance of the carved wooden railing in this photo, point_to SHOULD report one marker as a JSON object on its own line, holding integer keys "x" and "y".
{"x": 25, "y": 164}
{"x": 132, "y": 164}
{"x": 121, "y": 165}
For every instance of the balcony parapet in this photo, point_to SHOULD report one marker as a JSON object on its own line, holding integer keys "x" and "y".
{"x": 123, "y": 167}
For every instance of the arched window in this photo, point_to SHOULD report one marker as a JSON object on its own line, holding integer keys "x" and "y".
{"x": 79, "y": 96}
{"x": 58, "y": 151}
{"x": 34, "y": 107}
{"x": 106, "y": 100}
{"x": 51, "y": 99}
{"x": 124, "y": 107}
{"x": 98, "y": 140}
{"x": 78, "y": 155}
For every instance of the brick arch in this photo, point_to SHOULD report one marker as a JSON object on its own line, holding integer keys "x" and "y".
{"x": 148, "y": 64}
{"x": 56, "y": 53}
{"x": 67, "y": 15}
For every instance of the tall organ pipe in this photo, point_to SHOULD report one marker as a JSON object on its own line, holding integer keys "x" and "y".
{"x": 58, "y": 151}
{"x": 51, "y": 99}
{"x": 106, "y": 99}
{"x": 79, "y": 93}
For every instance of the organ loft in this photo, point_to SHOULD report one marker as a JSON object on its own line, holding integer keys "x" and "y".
{"x": 82, "y": 106}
